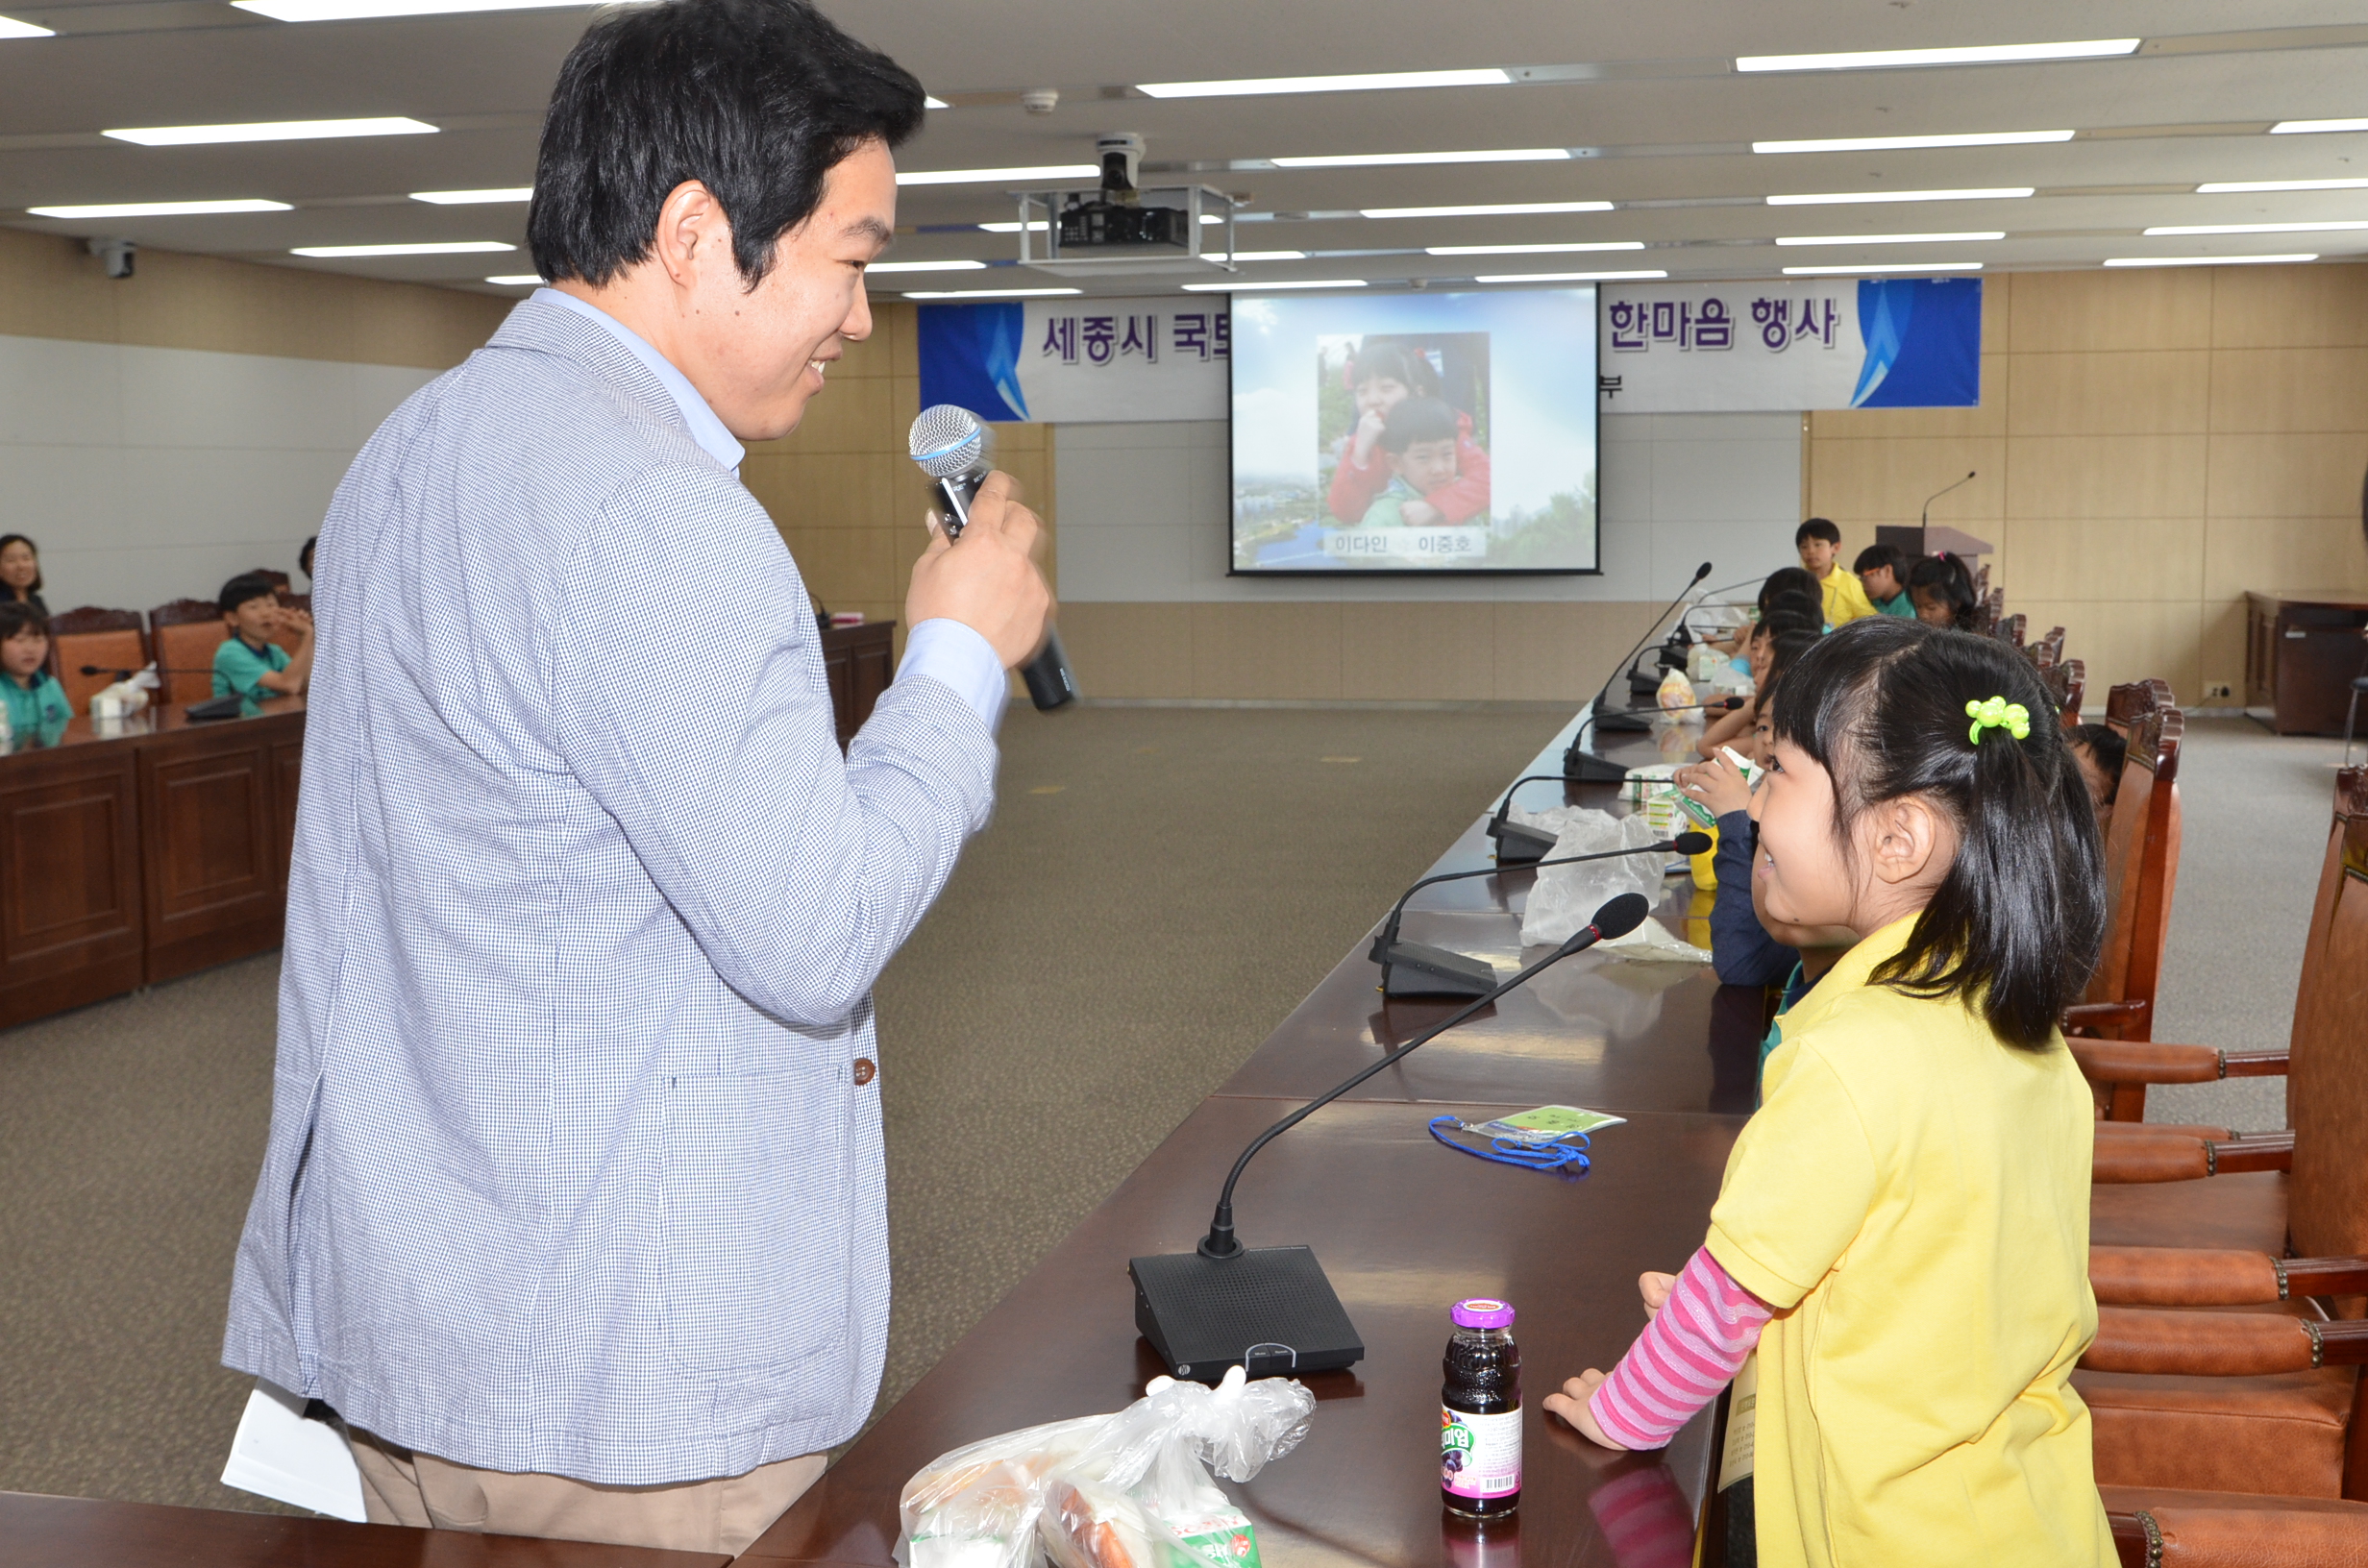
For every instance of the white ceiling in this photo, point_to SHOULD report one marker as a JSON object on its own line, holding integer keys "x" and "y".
{"x": 1658, "y": 118}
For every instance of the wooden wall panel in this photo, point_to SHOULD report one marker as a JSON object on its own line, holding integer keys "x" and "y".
{"x": 69, "y": 881}
{"x": 2147, "y": 307}
{"x": 2119, "y": 393}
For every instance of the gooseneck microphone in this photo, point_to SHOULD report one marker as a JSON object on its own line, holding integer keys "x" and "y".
{"x": 1926, "y": 516}
{"x": 958, "y": 453}
{"x": 1271, "y": 1308}
{"x": 1586, "y": 766}
{"x": 1435, "y": 971}
{"x": 212, "y": 709}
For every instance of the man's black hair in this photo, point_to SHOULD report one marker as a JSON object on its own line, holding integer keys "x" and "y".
{"x": 245, "y": 588}
{"x": 2016, "y": 926}
{"x": 1416, "y": 419}
{"x": 1875, "y": 557}
{"x": 757, "y": 100}
{"x": 1817, "y": 527}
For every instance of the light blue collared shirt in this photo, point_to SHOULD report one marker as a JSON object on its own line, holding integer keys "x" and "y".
{"x": 942, "y": 649}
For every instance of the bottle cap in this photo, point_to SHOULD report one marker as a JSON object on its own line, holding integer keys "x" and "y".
{"x": 1482, "y": 1312}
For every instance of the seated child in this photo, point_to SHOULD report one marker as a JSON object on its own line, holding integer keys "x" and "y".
{"x": 1820, "y": 542}
{"x": 2099, "y": 753}
{"x": 37, "y": 704}
{"x": 1784, "y": 581}
{"x": 1381, "y": 378}
{"x": 1918, "y": 1173}
{"x": 1773, "y": 654}
{"x": 1883, "y": 571}
{"x": 1943, "y": 590}
{"x": 249, "y": 662}
{"x": 1418, "y": 444}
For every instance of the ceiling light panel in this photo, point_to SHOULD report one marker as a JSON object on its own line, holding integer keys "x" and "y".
{"x": 1893, "y": 239}
{"x": 1845, "y": 198}
{"x": 1252, "y": 288}
{"x": 2201, "y": 260}
{"x": 1879, "y": 144}
{"x": 1372, "y": 82}
{"x": 2236, "y": 188}
{"x": 198, "y": 135}
{"x": 1568, "y": 277}
{"x": 475, "y": 198}
{"x": 522, "y": 280}
{"x": 1887, "y": 266}
{"x": 160, "y": 210}
{"x": 1379, "y": 160}
{"x": 11, "y": 28}
{"x": 2343, "y": 227}
{"x": 2307, "y": 127}
{"x": 1885, "y": 59}
{"x": 926, "y": 266}
{"x": 929, "y": 102}
{"x": 347, "y": 11}
{"x": 987, "y": 293}
{"x": 1240, "y": 257}
{"x": 1484, "y": 210}
{"x": 447, "y": 247}
{"x": 989, "y": 177}
{"x": 1535, "y": 250}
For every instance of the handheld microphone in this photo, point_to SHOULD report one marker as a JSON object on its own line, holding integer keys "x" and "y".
{"x": 1927, "y": 516}
{"x": 957, "y": 452}
{"x": 1435, "y": 971}
{"x": 1271, "y": 1308}
{"x": 1586, "y": 766}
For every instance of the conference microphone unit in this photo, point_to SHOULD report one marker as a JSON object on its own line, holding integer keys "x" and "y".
{"x": 1924, "y": 519}
{"x": 1271, "y": 1309}
{"x": 956, "y": 451}
{"x": 197, "y": 713}
{"x": 1584, "y": 766}
{"x": 1412, "y": 968}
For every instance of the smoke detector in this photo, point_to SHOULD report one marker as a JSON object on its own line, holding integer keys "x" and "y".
{"x": 1041, "y": 100}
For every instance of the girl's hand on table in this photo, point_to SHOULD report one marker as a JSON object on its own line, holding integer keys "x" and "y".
{"x": 1570, "y": 1403}
{"x": 1717, "y": 784}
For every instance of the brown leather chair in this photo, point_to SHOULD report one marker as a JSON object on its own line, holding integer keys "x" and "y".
{"x": 2141, "y": 873}
{"x": 184, "y": 634}
{"x": 110, "y": 639}
{"x": 2233, "y": 1302}
{"x": 2157, "y": 1528}
{"x": 2046, "y": 652}
{"x": 2010, "y": 628}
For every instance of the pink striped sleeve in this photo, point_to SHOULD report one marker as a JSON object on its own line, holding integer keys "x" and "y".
{"x": 1691, "y": 1349}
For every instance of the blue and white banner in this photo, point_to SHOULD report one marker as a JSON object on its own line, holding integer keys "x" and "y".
{"x": 1803, "y": 343}
{"x": 1076, "y": 360}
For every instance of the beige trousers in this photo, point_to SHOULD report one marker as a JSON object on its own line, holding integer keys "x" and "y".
{"x": 401, "y": 1487}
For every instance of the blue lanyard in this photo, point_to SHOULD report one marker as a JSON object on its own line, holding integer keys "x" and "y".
{"x": 1564, "y": 1154}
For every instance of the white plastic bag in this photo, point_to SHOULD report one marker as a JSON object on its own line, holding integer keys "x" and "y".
{"x": 1123, "y": 1490}
{"x": 1565, "y": 898}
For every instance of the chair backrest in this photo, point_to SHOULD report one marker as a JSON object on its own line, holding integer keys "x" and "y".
{"x": 184, "y": 634}
{"x": 2327, "y": 1087}
{"x": 278, "y": 579}
{"x": 2011, "y": 629}
{"x": 2141, "y": 868}
{"x": 2125, "y": 705}
{"x": 110, "y": 639}
{"x": 1988, "y": 612}
{"x": 1980, "y": 581}
{"x": 296, "y": 601}
{"x": 2072, "y": 673}
{"x": 2049, "y": 649}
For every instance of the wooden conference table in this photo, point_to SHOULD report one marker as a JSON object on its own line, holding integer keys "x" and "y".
{"x": 1403, "y": 1227}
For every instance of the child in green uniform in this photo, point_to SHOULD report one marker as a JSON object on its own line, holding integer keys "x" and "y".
{"x": 37, "y": 706}
{"x": 249, "y": 662}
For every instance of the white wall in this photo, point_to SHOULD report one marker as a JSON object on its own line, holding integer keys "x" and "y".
{"x": 148, "y": 475}
{"x": 1144, "y": 510}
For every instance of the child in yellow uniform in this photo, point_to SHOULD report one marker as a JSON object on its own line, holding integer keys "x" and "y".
{"x": 1903, "y": 1229}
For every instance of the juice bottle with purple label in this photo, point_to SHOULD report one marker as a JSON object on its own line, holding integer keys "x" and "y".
{"x": 1480, "y": 1412}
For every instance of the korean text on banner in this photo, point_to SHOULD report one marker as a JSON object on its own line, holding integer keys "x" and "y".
{"x": 1803, "y": 343}
{"x": 1078, "y": 360}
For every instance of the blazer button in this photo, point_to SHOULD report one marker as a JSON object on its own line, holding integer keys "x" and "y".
{"x": 865, "y": 1073}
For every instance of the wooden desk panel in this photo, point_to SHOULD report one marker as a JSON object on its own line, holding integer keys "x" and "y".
{"x": 53, "y": 1531}
{"x": 858, "y": 662}
{"x": 1405, "y": 1229}
{"x": 212, "y": 839}
{"x": 70, "y": 918}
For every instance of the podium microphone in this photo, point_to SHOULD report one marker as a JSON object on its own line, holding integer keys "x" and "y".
{"x": 957, "y": 452}
{"x": 1271, "y": 1308}
{"x": 1926, "y": 516}
{"x": 1435, "y": 971}
{"x": 1586, "y": 766}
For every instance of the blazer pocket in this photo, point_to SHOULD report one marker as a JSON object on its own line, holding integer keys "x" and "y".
{"x": 755, "y": 1230}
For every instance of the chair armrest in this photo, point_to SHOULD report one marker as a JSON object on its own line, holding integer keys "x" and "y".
{"x": 2209, "y": 1537}
{"x": 2084, "y": 1017}
{"x": 2182, "y": 1277}
{"x": 2145, "y": 1061}
{"x": 2220, "y": 1344}
{"x": 2132, "y": 1159}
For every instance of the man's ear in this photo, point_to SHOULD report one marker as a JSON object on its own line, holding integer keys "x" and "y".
{"x": 1908, "y": 838}
{"x": 692, "y": 235}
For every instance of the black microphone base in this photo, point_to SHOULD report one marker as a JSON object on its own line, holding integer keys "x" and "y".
{"x": 1269, "y": 1310}
{"x": 215, "y": 707}
{"x": 1519, "y": 844}
{"x": 1416, "y": 970}
{"x": 1584, "y": 767}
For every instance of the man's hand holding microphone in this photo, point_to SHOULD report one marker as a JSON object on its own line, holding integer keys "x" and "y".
{"x": 988, "y": 579}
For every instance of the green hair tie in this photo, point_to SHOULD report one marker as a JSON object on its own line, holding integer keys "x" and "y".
{"x": 1998, "y": 714}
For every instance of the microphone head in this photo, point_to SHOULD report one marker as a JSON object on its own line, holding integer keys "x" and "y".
{"x": 947, "y": 441}
{"x": 1624, "y": 914}
{"x": 1691, "y": 844}
{"x": 1702, "y": 571}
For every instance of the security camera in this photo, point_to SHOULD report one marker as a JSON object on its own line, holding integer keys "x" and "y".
{"x": 115, "y": 256}
{"x": 1041, "y": 100}
{"x": 1121, "y": 156}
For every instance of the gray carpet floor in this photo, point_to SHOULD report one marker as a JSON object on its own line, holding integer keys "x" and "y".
{"x": 1159, "y": 887}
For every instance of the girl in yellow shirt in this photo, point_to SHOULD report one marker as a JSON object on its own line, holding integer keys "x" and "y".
{"x": 1903, "y": 1229}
